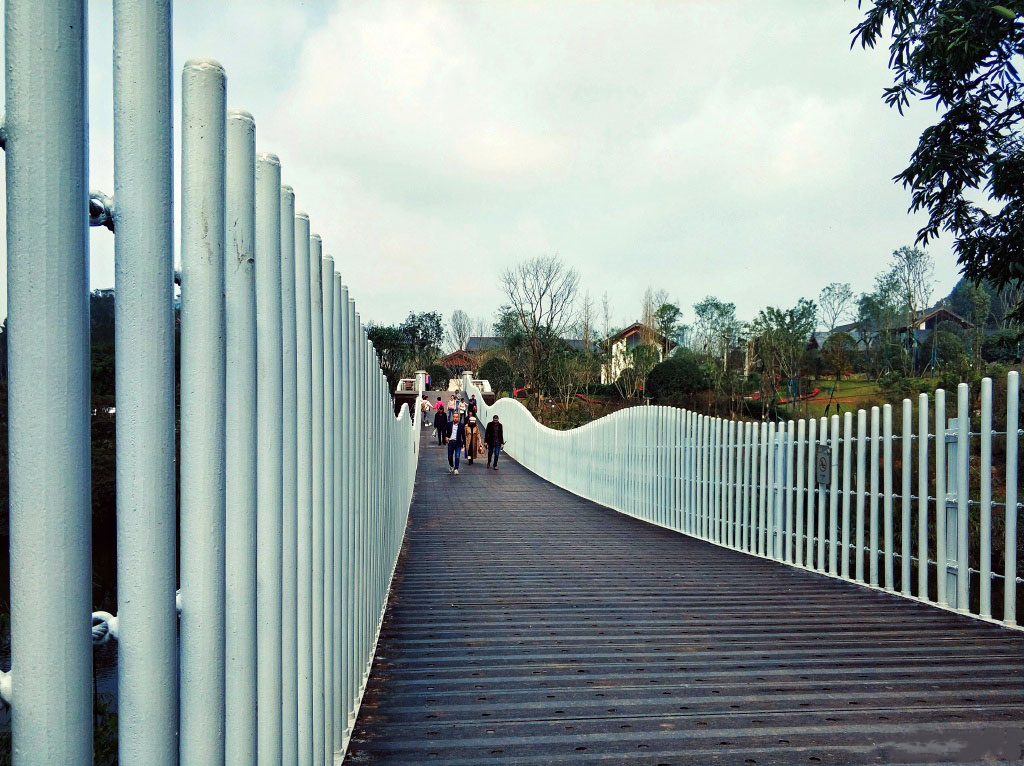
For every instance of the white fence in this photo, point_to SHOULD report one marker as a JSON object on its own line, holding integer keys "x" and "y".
{"x": 909, "y": 510}
{"x": 295, "y": 475}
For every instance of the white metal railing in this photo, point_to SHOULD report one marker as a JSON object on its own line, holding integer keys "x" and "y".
{"x": 806, "y": 492}
{"x": 295, "y": 474}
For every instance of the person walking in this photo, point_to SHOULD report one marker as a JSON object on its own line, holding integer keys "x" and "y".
{"x": 474, "y": 442}
{"x": 450, "y": 407}
{"x": 456, "y": 433}
{"x": 425, "y": 411}
{"x": 494, "y": 438}
{"x": 440, "y": 425}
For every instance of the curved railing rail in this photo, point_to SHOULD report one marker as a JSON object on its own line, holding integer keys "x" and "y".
{"x": 912, "y": 510}
{"x": 295, "y": 474}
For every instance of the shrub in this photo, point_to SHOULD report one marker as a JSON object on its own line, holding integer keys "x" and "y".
{"x": 678, "y": 375}
{"x": 1001, "y": 346}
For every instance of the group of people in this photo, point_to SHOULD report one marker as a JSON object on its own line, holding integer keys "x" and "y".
{"x": 456, "y": 426}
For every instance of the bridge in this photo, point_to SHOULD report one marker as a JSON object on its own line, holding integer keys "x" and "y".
{"x": 657, "y": 586}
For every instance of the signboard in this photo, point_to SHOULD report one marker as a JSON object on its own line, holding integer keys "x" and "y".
{"x": 823, "y": 464}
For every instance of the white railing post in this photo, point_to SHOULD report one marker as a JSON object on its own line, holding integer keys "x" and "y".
{"x": 48, "y": 363}
{"x": 337, "y": 636}
{"x": 905, "y": 471}
{"x": 985, "y": 502}
{"x": 316, "y": 318}
{"x": 326, "y": 725}
{"x": 290, "y": 487}
{"x": 887, "y": 526}
{"x": 304, "y": 480}
{"x": 147, "y": 652}
{"x": 269, "y": 457}
{"x": 963, "y": 457}
{"x": 240, "y": 450}
{"x": 922, "y": 496}
{"x": 1010, "y": 538}
{"x": 202, "y": 413}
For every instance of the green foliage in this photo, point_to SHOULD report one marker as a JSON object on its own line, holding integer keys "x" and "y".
{"x": 393, "y": 351}
{"x": 961, "y": 57}
{"x": 639, "y": 360}
{"x": 838, "y": 353}
{"x": 1002, "y": 346}
{"x": 780, "y": 338}
{"x": 950, "y": 350}
{"x": 439, "y": 375}
{"x": 679, "y": 375}
{"x": 499, "y": 373}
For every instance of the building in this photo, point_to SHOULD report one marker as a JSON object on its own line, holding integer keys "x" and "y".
{"x": 625, "y": 340}
{"x": 925, "y": 324}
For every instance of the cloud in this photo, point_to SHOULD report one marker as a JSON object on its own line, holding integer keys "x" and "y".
{"x": 700, "y": 146}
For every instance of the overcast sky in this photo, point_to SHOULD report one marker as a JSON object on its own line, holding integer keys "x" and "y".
{"x": 705, "y": 147}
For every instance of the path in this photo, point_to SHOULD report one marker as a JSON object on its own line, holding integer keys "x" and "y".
{"x": 528, "y": 626}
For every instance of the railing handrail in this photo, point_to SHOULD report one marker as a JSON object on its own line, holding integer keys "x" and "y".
{"x": 753, "y": 486}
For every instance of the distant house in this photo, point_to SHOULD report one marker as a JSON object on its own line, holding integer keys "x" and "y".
{"x": 626, "y": 339}
{"x": 458, "y": 362}
{"x": 925, "y": 324}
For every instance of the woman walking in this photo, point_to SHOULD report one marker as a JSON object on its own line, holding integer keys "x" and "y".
{"x": 474, "y": 442}
{"x": 440, "y": 424}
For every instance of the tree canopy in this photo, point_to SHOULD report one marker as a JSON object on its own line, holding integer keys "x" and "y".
{"x": 962, "y": 56}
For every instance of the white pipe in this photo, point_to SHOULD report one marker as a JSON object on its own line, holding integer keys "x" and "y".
{"x": 269, "y": 403}
{"x": 963, "y": 456}
{"x": 941, "y": 565}
{"x": 887, "y": 494}
{"x": 304, "y": 480}
{"x": 1010, "y": 541}
{"x": 922, "y": 496}
{"x": 147, "y": 651}
{"x": 290, "y": 487}
{"x": 48, "y": 394}
{"x": 202, "y": 413}
{"x": 327, "y": 627}
{"x": 316, "y": 309}
{"x": 847, "y": 463}
{"x": 985, "y": 502}
{"x": 833, "y": 497}
{"x": 240, "y": 451}
{"x": 873, "y": 501}
{"x": 906, "y": 469}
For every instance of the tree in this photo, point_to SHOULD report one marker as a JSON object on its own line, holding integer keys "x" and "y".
{"x": 393, "y": 351}
{"x": 459, "y": 328}
{"x": 679, "y": 375}
{"x": 499, "y": 374}
{"x": 715, "y": 329}
{"x": 639, "y": 361}
{"x": 780, "y": 338}
{"x": 962, "y": 56}
{"x": 835, "y": 301}
{"x": 667, "y": 322}
{"x": 542, "y": 298}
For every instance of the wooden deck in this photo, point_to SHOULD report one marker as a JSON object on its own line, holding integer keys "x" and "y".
{"x": 528, "y": 626}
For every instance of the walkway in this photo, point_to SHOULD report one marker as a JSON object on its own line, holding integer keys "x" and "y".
{"x": 528, "y": 626}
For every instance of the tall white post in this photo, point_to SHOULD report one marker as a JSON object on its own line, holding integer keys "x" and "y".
{"x": 269, "y": 457}
{"x": 304, "y": 480}
{"x": 290, "y": 487}
{"x": 202, "y": 413}
{"x": 327, "y": 629}
{"x": 147, "y": 652}
{"x": 48, "y": 394}
{"x": 316, "y": 317}
{"x": 337, "y": 636}
{"x": 240, "y": 451}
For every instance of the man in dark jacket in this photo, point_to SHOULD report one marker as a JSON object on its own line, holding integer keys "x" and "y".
{"x": 440, "y": 425}
{"x": 456, "y": 432}
{"x": 494, "y": 438}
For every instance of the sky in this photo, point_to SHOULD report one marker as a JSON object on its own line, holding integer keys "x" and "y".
{"x": 703, "y": 147}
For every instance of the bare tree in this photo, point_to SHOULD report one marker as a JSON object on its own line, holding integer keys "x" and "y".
{"x": 542, "y": 295}
{"x": 912, "y": 272}
{"x": 459, "y": 329}
{"x": 835, "y": 301}
{"x": 483, "y": 327}
{"x": 587, "y": 323}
